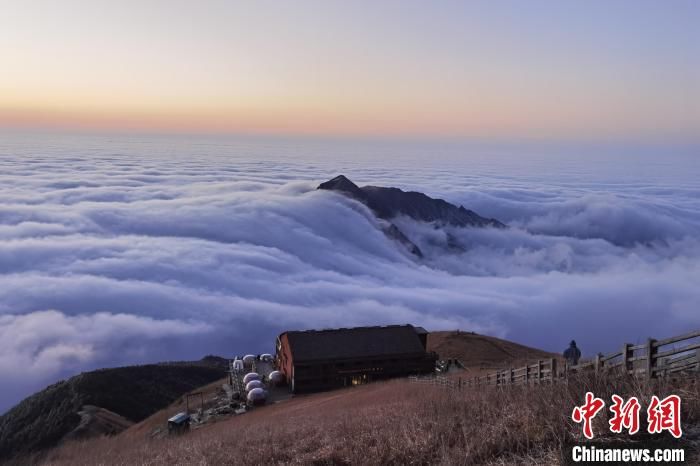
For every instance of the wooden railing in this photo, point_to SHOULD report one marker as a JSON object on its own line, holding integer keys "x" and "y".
{"x": 679, "y": 355}
{"x": 653, "y": 359}
{"x": 439, "y": 380}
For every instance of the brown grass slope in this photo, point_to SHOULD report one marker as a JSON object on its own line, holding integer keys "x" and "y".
{"x": 481, "y": 353}
{"x": 477, "y": 352}
{"x": 397, "y": 423}
{"x": 159, "y": 420}
{"x": 96, "y": 421}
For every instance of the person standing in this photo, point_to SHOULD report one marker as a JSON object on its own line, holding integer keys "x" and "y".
{"x": 572, "y": 354}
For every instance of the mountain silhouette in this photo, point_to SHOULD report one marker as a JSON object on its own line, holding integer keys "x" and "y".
{"x": 389, "y": 203}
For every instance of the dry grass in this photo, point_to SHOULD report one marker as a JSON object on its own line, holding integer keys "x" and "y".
{"x": 482, "y": 354}
{"x": 160, "y": 419}
{"x": 388, "y": 423}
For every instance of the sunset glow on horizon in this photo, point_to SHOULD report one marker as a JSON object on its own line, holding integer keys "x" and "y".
{"x": 586, "y": 70}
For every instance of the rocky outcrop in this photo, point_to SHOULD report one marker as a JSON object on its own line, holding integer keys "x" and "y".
{"x": 389, "y": 203}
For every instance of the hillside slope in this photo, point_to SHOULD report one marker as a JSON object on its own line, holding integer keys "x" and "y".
{"x": 95, "y": 421}
{"x": 477, "y": 352}
{"x": 393, "y": 423}
{"x": 129, "y": 395}
{"x": 482, "y": 353}
{"x": 99, "y": 402}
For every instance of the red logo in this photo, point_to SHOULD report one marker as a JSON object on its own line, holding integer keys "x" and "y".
{"x": 625, "y": 415}
{"x": 665, "y": 415}
{"x": 587, "y": 412}
{"x": 661, "y": 415}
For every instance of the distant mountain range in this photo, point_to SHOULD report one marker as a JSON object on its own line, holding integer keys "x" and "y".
{"x": 389, "y": 203}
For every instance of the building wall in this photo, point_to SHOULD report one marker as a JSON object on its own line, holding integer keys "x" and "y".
{"x": 327, "y": 374}
{"x": 424, "y": 339}
{"x": 284, "y": 358}
{"x": 324, "y": 374}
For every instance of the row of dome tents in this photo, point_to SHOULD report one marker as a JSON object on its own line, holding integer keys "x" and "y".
{"x": 252, "y": 381}
{"x": 248, "y": 360}
{"x": 255, "y": 388}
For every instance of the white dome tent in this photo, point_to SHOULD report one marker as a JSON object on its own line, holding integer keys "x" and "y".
{"x": 276, "y": 378}
{"x": 253, "y": 384}
{"x": 250, "y": 377}
{"x": 257, "y": 396}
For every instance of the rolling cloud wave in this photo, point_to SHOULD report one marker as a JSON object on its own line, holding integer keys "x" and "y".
{"x": 115, "y": 259}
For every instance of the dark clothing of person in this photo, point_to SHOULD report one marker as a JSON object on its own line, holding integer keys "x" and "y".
{"x": 572, "y": 355}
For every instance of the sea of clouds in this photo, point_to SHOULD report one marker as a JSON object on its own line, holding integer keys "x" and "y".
{"x": 120, "y": 250}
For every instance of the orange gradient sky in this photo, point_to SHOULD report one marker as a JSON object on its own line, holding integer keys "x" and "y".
{"x": 542, "y": 69}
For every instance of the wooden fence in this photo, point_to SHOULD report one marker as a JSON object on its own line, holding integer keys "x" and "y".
{"x": 677, "y": 355}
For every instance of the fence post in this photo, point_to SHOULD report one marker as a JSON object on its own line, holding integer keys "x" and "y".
{"x": 512, "y": 376}
{"x": 597, "y": 364}
{"x": 625, "y": 357}
{"x": 651, "y": 351}
{"x": 539, "y": 371}
{"x": 553, "y": 366}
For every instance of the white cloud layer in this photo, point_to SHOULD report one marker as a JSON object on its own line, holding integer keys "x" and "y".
{"x": 115, "y": 253}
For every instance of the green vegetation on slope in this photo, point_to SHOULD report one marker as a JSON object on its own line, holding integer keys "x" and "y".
{"x": 43, "y": 419}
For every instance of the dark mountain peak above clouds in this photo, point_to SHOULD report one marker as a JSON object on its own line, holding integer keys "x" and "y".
{"x": 343, "y": 184}
{"x": 388, "y": 203}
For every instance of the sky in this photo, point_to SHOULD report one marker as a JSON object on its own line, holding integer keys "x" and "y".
{"x": 579, "y": 70}
{"x": 147, "y": 213}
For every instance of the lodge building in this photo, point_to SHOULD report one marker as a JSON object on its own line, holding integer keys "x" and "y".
{"x": 314, "y": 360}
